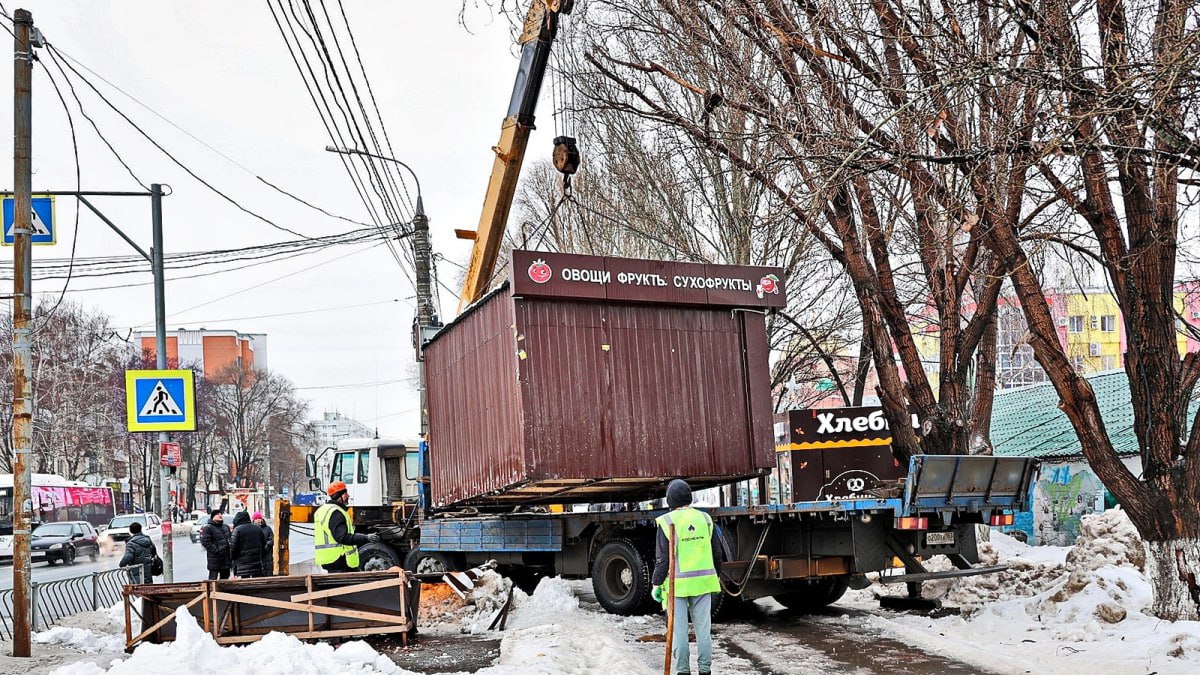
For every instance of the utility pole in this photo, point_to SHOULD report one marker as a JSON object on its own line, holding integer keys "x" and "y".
{"x": 423, "y": 256}
{"x": 160, "y": 362}
{"x": 22, "y": 431}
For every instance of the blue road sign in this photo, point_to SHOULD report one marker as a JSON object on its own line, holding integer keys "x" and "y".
{"x": 160, "y": 400}
{"x": 44, "y": 232}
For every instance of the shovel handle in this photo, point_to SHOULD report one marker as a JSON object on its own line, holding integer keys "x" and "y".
{"x": 670, "y": 597}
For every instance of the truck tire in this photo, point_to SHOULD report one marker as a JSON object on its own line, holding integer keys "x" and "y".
{"x": 813, "y": 594}
{"x": 621, "y": 578}
{"x": 376, "y": 557}
{"x": 428, "y": 562}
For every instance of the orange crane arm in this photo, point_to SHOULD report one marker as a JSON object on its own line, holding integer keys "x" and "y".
{"x": 541, "y": 27}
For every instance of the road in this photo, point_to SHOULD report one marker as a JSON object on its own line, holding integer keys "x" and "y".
{"x": 190, "y": 562}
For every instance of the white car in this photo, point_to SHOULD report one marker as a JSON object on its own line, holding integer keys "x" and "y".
{"x": 118, "y": 528}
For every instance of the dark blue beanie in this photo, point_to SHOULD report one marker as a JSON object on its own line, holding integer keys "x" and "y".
{"x": 679, "y": 493}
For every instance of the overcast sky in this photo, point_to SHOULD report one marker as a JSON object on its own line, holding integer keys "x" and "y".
{"x": 220, "y": 71}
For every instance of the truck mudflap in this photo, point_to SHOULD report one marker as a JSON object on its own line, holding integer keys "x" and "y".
{"x": 968, "y": 483}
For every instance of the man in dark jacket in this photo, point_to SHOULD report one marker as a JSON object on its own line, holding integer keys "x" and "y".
{"x": 139, "y": 556}
{"x": 247, "y": 547}
{"x": 269, "y": 557}
{"x": 214, "y": 537}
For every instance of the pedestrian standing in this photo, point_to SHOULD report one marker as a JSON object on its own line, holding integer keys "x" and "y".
{"x": 214, "y": 537}
{"x": 139, "y": 556}
{"x": 695, "y": 575}
{"x": 247, "y": 547}
{"x": 269, "y": 560}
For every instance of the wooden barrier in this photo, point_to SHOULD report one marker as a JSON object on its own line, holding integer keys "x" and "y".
{"x": 309, "y": 607}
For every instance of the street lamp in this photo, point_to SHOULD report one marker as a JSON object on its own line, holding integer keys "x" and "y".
{"x": 420, "y": 210}
{"x": 426, "y": 322}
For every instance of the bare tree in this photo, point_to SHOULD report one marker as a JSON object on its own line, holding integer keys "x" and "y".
{"x": 250, "y": 409}
{"x": 858, "y": 153}
{"x": 1118, "y": 147}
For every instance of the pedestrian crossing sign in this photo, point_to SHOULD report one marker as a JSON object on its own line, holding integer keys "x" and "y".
{"x": 44, "y": 230}
{"x": 160, "y": 400}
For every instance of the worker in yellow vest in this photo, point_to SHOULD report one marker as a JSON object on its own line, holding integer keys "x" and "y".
{"x": 696, "y": 554}
{"x": 335, "y": 544}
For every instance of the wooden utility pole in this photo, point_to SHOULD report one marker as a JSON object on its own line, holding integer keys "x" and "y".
{"x": 22, "y": 301}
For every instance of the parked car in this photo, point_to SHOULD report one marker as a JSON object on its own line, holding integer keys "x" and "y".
{"x": 200, "y": 519}
{"x": 118, "y": 528}
{"x": 63, "y": 542}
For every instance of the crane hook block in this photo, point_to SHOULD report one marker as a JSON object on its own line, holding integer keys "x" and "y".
{"x": 566, "y": 155}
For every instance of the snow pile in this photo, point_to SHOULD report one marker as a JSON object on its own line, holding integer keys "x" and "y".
{"x": 1031, "y": 570}
{"x": 442, "y": 610}
{"x": 196, "y": 653}
{"x": 550, "y": 634}
{"x": 81, "y": 639}
{"x": 1067, "y": 610}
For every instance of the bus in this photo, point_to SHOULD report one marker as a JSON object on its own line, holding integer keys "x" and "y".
{"x": 56, "y": 499}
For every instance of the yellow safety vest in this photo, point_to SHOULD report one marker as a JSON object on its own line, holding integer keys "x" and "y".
{"x": 695, "y": 573}
{"x": 326, "y": 551}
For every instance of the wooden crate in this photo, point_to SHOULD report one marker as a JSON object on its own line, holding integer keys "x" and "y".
{"x": 238, "y": 611}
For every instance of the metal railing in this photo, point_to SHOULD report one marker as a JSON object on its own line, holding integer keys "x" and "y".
{"x": 53, "y": 600}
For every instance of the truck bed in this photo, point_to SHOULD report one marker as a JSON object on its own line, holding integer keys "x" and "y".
{"x": 936, "y": 485}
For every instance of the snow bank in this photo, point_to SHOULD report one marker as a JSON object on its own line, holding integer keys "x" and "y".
{"x": 550, "y": 634}
{"x": 196, "y": 653}
{"x": 81, "y": 639}
{"x": 1065, "y": 609}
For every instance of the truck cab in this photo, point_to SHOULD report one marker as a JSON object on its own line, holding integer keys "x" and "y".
{"x": 378, "y": 472}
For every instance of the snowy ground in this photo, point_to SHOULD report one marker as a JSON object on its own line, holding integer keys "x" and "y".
{"x": 1056, "y": 610}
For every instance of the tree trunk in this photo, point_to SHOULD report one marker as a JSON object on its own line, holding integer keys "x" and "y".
{"x": 1172, "y": 566}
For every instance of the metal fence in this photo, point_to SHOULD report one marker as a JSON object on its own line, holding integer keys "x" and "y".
{"x": 53, "y": 600}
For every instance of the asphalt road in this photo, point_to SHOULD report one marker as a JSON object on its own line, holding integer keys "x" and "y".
{"x": 190, "y": 562}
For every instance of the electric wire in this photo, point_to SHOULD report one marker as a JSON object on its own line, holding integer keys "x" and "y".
{"x": 324, "y": 111}
{"x": 172, "y": 157}
{"x": 45, "y": 319}
{"x": 366, "y": 118}
{"x": 206, "y": 145}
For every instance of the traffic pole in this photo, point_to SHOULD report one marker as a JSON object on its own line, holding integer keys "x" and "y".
{"x": 160, "y": 362}
{"x": 22, "y": 301}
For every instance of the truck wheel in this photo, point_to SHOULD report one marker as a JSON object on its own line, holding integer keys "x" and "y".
{"x": 376, "y": 557}
{"x": 428, "y": 562}
{"x": 813, "y": 594}
{"x": 621, "y": 578}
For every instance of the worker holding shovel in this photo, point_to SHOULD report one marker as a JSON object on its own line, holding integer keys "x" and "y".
{"x": 685, "y": 577}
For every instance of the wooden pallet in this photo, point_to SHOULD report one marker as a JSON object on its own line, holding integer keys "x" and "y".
{"x": 309, "y": 607}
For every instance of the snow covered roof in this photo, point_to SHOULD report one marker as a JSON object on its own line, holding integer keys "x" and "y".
{"x": 1026, "y": 422}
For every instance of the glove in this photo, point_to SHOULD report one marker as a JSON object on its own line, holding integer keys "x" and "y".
{"x": 659, "y": 595}
{"x": 372, "y": 538}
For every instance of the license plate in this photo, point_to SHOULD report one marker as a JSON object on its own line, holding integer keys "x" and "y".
{"x": 939, "y": 538}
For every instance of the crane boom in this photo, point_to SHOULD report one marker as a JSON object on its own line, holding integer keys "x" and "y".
{"x": 537, "y": 37}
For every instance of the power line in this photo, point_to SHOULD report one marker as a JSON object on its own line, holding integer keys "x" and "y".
{"x": 173, "y": 158}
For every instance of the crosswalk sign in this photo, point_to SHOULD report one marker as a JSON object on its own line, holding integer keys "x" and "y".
{"x": 45, "y": 233}
{"x": 160, "y": 400}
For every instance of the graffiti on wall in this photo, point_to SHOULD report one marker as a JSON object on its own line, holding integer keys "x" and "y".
{"x": 1064, "y": 494}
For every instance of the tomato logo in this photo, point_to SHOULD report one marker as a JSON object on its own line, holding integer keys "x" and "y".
{"x": 768, "y": 285}
{"x": 540, "y": 272}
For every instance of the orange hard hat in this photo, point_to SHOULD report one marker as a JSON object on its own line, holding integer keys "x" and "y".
{"x": 336, "y": 487}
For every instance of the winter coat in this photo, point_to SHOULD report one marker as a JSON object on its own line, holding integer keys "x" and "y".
{"x": 269, "y": 558}
{"x": 215, "y": 538}
{"x": 248, "y": 547}
{"x": 139, "y": 550}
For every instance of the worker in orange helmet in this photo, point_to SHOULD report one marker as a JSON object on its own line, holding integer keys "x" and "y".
{"x": 335, "y": 543}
